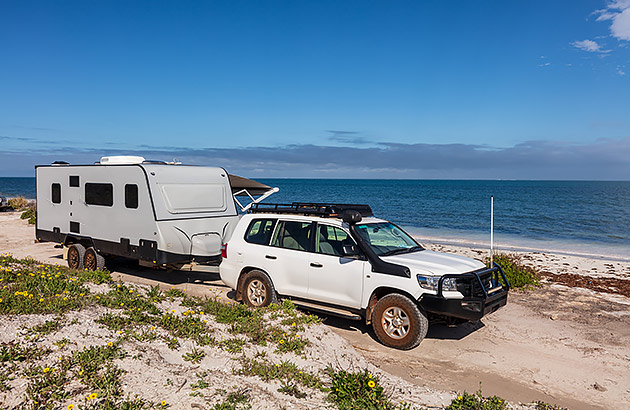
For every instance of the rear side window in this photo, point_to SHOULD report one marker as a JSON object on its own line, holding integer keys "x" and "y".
{"x": 55, "y": 194}
{"x": 260, "y": 231}
{"x": 131, "y": 196}
{"x": 293, "y": 235}
{"x": 99, "y": 194}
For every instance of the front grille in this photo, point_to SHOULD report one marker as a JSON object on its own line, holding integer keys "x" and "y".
{"x": 469, "y": 286}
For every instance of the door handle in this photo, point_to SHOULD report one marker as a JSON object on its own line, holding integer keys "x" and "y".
{"x": 317, "y": 265}
{"x": 271, "y": 257}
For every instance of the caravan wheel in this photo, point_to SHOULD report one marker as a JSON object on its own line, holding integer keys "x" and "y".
{"x": 76, "y": 253}
{"x": 94, "y": 260}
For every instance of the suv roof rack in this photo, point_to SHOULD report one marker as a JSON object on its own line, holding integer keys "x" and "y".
{"x": 311, "y": 208}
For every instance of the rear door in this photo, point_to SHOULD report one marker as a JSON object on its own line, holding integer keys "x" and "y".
{"x": 286, "y": 260}
{"x": 333, "y": 278}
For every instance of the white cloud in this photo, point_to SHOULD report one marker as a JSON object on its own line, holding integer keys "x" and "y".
{"x": 620, "y": 27}
{"x": 619, "y": 13}
{"x": 620, "y": 70}
{"x": 589, "y": 45}
{"x": 544, "y": 65}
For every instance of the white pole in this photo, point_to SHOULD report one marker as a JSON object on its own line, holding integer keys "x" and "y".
{"x": 491, "y": 230}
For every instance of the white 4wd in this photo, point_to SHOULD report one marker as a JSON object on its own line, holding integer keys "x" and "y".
{"x": 339, "y": 259}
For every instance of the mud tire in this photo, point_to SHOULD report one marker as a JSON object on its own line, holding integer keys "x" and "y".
{"x": 398, "y": 322}
{"x": 258, "y": 290}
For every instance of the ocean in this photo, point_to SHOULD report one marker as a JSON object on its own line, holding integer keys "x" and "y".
{"x": 576, "y": 217}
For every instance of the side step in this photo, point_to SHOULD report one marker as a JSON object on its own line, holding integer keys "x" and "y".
{"x": 343, "y": 313}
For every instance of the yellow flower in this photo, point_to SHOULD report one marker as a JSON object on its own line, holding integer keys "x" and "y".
{"x": 152, "y": 327}
{"x": 281, "y": 341}
{"x": 93, "y": 396}
{"x": 163, "y": 402}
{"x": 80, "y": 372}
{"x": 122, "y": 304}
{"x": 130, "y": 290}
{"x": 370, "y": 376}
{"x": 41, "y": 299}
{"x": 293, "y": 324}
{"x": 46, "y": 369}
{"x": 371, "y": 383}
{"x": 70, "y": 406}
{"x": 110, "y": 344}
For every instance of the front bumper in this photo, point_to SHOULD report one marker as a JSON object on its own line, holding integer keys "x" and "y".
{"x": 485, "y": 291}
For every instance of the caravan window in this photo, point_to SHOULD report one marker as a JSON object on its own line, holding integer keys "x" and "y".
{"x": 99, "y": 194}
{"x": 131, "y": 196}
{"x": 55, "y": 194}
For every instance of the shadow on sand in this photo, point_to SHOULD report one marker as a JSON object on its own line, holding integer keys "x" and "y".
{"x": 436, "y": 331}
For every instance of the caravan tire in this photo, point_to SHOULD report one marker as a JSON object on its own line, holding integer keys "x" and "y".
{"x": 76, "y": 254}
{"x": 93, "y": 260}
{"x": 258, "y": 291}
{"x": 398, "y": 322}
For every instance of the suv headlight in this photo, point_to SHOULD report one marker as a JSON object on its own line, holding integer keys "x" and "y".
{"x": 431, "y": 283}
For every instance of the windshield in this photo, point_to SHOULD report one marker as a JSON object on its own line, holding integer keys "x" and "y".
{"x": 386, "y": 238}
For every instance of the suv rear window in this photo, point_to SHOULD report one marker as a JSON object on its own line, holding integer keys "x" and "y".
{"x": 293, "y": 235}
{"x": 260, "y": 231}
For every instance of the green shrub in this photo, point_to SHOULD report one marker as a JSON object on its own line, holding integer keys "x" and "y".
{"x": 18, "y": 203}
{"x": 30, "y": 213}
{"x": 519, "y": 275}
{"x": 467, "y": 401}
{"x": 358, "y": 391}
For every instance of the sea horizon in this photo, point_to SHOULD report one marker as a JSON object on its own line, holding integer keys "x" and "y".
{"x": 582, "y": 218}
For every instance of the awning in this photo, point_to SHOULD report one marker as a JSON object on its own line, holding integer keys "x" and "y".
{"x": 253, "y": 187}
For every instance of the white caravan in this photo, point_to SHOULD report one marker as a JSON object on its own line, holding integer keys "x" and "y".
{"x": 161, "y": 214}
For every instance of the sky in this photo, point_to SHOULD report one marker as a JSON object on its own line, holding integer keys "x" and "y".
{"x": 321, "y": 89}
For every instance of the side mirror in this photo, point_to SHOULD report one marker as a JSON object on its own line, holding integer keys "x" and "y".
{"x": 351, "y": 216}
{"x": 350, "y": 250}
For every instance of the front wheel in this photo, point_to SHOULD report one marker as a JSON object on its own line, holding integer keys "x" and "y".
{"x": 398, "y": 322}
{"x": 258, "y": 290}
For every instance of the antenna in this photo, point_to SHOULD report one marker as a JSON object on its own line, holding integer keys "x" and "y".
{"x": 491, "y": 229}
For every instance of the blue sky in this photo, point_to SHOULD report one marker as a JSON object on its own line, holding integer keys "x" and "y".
{"x": 405, "y": 89}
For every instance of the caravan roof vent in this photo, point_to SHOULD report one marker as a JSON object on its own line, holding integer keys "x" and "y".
{"x": 121, "y": 159}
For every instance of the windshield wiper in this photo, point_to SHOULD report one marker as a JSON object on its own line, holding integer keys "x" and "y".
{"x": 402, "y": 250}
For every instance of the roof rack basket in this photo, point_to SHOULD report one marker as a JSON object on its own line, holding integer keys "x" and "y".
{"x": 311, "y": 208}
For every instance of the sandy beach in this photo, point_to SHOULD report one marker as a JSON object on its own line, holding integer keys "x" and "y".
{"x": 566, "y": 343}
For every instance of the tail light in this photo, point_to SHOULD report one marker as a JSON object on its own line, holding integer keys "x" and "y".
{"x": 224, "y": 250}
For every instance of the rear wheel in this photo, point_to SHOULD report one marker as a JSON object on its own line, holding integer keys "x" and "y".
{"x": 258, "y": 291}
{"x": 398, "y": 322}
{"x": 93, "y": 260}
{"x": 76, "y": 254}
